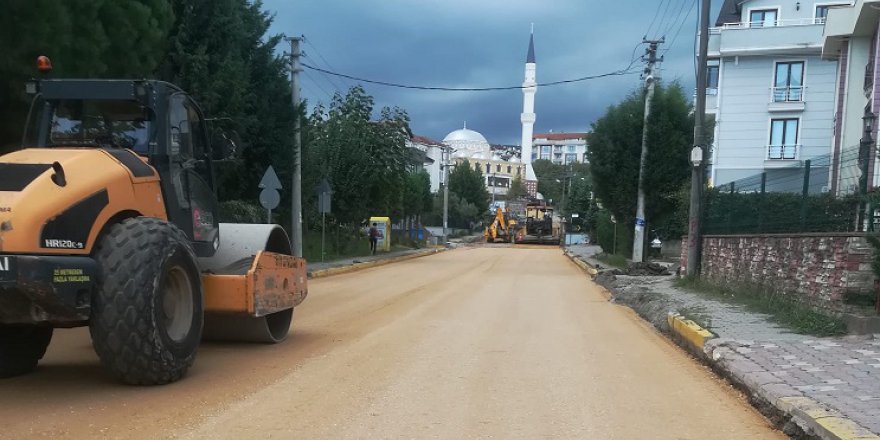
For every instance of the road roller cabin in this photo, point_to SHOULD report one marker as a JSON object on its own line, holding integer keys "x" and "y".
{"x": 110, "y": 221}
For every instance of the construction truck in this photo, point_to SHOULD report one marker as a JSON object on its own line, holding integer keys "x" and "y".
{"x": 502, "y": 227}
{"x": 541, "y": 225}
{"x": 109, "y": 220}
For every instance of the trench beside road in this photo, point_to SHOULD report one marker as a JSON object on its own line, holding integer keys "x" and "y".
{"x": 474, "y": 343}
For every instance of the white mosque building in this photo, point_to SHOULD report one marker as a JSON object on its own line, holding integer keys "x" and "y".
{"x": 471, "y": 146}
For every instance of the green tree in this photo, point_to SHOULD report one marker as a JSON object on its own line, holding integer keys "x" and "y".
{"x": 366, "y": 160}
{"x": 85, "y": 39}
{"x": 468, "y": 184}
{"x": 554, "y": 180}
{"x": 417, "y": 197}
{"x": 517, "y": 189}
{"x": 220, "y": 53}
{"x": 462, "y": 214}
{"x": 615, "y": 150}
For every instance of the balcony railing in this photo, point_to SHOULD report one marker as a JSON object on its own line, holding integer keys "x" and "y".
{"x": 787, "y": 94}
{"x": 782, "y": 152}
{"x": 768, "y": 24}
{"x": 869, "y": 75}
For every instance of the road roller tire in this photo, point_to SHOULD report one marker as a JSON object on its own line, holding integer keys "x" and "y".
{"x": 21, "y": 347}
{"x": 148, "y": 313}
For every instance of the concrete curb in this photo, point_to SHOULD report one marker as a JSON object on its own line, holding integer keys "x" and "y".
{"x": 689, "y": 332}
{"x": 586, "y": 267}
{"x": 590, "y": 271}
{"x": 780, "y": 403}
{"x": 323, "y": 273}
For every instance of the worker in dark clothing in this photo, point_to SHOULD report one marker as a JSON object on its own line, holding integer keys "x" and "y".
{"x": 374, "y": 238}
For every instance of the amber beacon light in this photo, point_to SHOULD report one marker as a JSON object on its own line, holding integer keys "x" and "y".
{"x": 44, "y": 64}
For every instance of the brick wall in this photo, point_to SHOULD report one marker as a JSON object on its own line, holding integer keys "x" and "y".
{"x": 818, "y": 269}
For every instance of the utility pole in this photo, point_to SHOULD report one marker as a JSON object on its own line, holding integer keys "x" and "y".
{"x": 296, "y": 186}
{"x": 650, "y": 83}
{"x": 695, "y": 241}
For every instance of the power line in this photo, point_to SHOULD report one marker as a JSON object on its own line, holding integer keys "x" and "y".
{"x": 328, "y": 79}
{"x": 653, "y": 20}
{"x": 680, "y": 26}
{"x": 329, "y": 95}
{"x": 326, "y": 63}
{"x": 663, "y": 18}
{"x": 626, "y": 71}
{"x": 677, "y": 18}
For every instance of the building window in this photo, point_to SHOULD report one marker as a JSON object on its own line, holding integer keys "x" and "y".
{"x": 488, "y": 170}
{"x": 476, "y": 167}
{"x": 783, "y": 139}
{"x": 570, "y": 148}
{"x": 712, "y": 77}
{"x": 571, "y": 158}
{"x": 822, "y": 11}
{"x": 789, "y": 82}
{"x": 509, "y": 169}
{"x": 763, "y": 17}
{"x": 497, "y": 168}
{"x": 518, "y": 171}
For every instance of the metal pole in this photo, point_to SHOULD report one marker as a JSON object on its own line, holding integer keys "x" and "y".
{"x": 445, "y": 164}
{"x": 761, "y": 203}
{"x": 695, "y": 241}
{"x": 493, "y": 190}
{"x": 805, "y": 193}
{"x": 614, "y": 243}
{"x": 638, "y": 254}
{"x": 269, "y": 216}
{"x": 323, "y": 229}
{"x": 296, "y": 187}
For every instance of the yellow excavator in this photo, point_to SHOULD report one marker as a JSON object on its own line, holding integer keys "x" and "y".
{"x": 108, "y": 219}
{"x": 502, "y": 227}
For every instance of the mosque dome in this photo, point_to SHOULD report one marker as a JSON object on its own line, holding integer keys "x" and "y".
{"x": 515, "y": 159}
{"x": 459, "y": 155}
{"x": 495, "y": 156}
{"x": 480, "y": 156}
{"x": 465, "y": 135}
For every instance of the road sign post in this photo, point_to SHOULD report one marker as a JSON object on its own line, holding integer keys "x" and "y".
{"x": 269, "y": 196}
{"x": 325, "y": 193}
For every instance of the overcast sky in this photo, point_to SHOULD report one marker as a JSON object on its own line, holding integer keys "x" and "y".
{"x": 483, "y": 43}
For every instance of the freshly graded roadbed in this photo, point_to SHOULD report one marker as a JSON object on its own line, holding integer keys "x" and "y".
{"x": 478, "y": 342}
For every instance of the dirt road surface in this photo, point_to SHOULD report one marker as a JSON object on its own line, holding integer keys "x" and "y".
{"x": 508, "y": 343}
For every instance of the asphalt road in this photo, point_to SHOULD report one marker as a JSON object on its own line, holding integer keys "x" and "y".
{"x": 484, "y": 342}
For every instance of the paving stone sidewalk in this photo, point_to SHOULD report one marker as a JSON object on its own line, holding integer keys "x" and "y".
{"x": 841, "y": 374}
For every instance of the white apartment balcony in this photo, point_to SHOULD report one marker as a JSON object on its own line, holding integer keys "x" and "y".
{"x": 787, "y": 99}
{"x": 711, "y": 100}
{"x": 782, "y": 152}
{"x": 795, "y": 36}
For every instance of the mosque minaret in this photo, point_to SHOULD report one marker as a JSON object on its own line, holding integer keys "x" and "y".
{"x": 530, "y": 87}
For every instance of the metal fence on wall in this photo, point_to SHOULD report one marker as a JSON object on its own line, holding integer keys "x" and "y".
{"x": 821, "y": 194}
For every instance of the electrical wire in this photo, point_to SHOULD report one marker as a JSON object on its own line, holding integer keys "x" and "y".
{"x": 663, "y": 18}
{"x": 653, "y": 20}
{"x": 326, "y": 63}
{"x": 329, "y": 95}
{"x": 625, "y": 71}
{"x": 681, "y": 10}
{"x": 680, "y": 26}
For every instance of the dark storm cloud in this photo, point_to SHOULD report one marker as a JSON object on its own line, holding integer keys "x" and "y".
{"x": 483, "y": 43}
